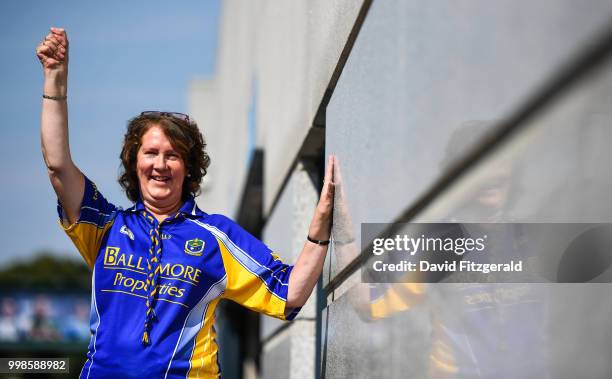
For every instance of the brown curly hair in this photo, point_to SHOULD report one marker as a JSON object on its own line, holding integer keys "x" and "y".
{"x": 185, "y": 138}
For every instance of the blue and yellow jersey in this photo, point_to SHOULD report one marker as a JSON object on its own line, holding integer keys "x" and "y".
{"x": 203, "y": 258}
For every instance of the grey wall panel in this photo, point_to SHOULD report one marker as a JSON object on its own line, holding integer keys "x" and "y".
{"x": 286, "y": 229}
{"x": 580, "y": 335}
{"x": 298, "y": 47}
{"x": 303, "y": 345}
{"x": 202, "y": 100}
{"x": 358, "y": 344}
{"x": 556, "y": 169}
{"x": 529, "y": 330}
{"x": 276, "y": 360}
{"x": 419, "y": 72}
{"x": 277, "y": 235}
{"x": 291, "y": 353}
{"x": 274, "y": 63}
{"x": 221, "y": 106}
{"x": 560, "y": 172}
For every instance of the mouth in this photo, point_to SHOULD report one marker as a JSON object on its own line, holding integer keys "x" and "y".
{"x": 160, "y": 178}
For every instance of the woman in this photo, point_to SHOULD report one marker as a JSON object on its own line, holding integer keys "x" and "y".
{"x": 161, "y": 266}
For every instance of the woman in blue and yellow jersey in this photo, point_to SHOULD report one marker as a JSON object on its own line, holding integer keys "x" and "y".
{"x": 161, "y": 266}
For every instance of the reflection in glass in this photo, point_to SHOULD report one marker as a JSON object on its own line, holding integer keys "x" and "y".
{"x": 476, "y": 330}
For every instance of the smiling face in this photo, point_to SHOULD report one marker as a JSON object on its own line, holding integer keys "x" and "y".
{"x": 160, "y": 168}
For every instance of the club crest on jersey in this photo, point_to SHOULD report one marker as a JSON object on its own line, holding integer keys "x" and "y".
{"x": 124, "y": 230}
{"x": 194, "y": 247}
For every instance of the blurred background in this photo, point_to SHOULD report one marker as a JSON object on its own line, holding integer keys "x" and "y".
{"x": 470, "y": 111}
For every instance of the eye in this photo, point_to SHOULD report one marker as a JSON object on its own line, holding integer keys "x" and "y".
{"x": 173, "y": 156}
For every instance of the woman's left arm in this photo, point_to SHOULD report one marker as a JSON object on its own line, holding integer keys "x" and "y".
{"x": 309, "y": 265}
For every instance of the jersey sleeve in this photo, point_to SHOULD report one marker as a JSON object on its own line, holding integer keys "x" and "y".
{"x": 95, "y": 218}
{"x": 256, "y": 277}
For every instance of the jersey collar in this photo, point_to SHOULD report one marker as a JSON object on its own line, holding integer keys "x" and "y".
{"x": 189, "y": 209}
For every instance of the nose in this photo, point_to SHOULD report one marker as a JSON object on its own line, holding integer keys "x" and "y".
{"x": 160, "y": 162}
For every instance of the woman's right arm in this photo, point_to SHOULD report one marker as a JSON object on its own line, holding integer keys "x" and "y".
{"x": 66, "y": 179}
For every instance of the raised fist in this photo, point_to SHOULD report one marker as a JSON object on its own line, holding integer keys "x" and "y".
{"x": 53, "y": 51}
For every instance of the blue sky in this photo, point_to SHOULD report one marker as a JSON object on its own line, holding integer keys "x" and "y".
{"x": 125, "y": 57}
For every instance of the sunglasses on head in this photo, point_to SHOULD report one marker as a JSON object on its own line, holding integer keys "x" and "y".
{"x": 177, "y": 115}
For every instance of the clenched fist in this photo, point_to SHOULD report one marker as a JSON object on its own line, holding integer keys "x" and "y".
{"x": 53, "y": 52}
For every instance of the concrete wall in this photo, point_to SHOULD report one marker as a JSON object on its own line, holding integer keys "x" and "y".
{"x": 275, "y": 63}
{"x": 421, "y": 85}
{"x": 285, "y": 231}
{"x": 299, "y": 48}
{"x": 411, "y": 81}
{"x": 221, "y": 107}
{"x": 410, "y": 118}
